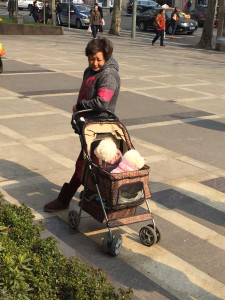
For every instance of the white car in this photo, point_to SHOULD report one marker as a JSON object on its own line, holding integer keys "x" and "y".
{"x": 26, "y": 4}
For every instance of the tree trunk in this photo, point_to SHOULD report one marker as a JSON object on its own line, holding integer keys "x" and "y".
{"x": 116, "y": 18}
{"x": 207, "y": 32}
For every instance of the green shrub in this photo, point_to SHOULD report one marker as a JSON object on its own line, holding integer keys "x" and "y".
{"x": 34, "y": 268}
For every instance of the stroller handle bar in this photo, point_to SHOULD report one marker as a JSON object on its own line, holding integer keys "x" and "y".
{"x": 78, "y": 118}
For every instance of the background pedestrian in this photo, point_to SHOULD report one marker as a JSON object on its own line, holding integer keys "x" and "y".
{"x": 160, "y": 22}
{"x": 111, "y": 6}
{"x": 188, "y": 7}
{"x": 95, "y": 21}
{"x": 101, "y": 13}
{"x": 57, "y": 12}
{"x": 34, "y": 11}
{"x": 47, "y": 14}
{"x": 174, "y": 21}
{"x": 11, "y": 8}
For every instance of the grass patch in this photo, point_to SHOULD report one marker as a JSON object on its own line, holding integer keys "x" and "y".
{"x": 10, "y": 21}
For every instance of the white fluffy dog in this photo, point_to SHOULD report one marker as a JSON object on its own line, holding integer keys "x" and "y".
{"x": 134, "y": 158}
{"x": 112, "y": 160}
{"x": 106, "y": 150}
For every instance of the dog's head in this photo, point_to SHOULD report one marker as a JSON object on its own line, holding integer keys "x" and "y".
{"x": 106, "y": 150}
{"x": 134, "y": 158}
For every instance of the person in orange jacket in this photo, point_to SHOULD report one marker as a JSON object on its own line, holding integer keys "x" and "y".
{"x": 160, "y": 21}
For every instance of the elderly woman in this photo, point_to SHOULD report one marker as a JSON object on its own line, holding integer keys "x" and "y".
{"x": 99, "y": 91}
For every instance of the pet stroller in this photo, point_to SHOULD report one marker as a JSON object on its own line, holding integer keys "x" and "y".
{"x": 111, "y": 198}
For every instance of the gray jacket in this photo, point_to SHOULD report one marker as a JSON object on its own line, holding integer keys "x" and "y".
{"x": 99, "y": 90}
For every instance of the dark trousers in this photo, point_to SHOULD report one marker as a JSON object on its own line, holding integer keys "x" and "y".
{"x": 159, "y": 34}
{"x": 94, "y": 29}
{"x": 75, "y": 181}
{"x": 35, "y": 18}
{"x": 174, "y": 27}
{"x": 11, "y": 14}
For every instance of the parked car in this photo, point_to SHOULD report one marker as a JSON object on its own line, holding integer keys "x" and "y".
{"x": 199, "y": 14}
{"x": 78, "y": 14}
{"x": 146, "y": 19}
{"x": 188, "y": 16}
{"x": 142, "y": 5}
{"x": 26, "y": 4}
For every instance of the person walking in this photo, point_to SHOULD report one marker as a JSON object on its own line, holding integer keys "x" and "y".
{"x": 95, "y": 21}
{"x": 11, "y": 8}
{"x": 34, "y": 11}
{"x": 101, "y": 13}
{"x": 174, "y": 21}
{"x": 111, "y": 6}
{"x": 57, "y": 13}
{"x": 188, "y": 7}
{"x": 160, "y": 22}
{"x": 46, "y": 13}
{"x": 99, "y": 91}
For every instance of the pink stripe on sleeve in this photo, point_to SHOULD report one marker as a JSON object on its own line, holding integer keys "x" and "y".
{"x": 105, "y": 94}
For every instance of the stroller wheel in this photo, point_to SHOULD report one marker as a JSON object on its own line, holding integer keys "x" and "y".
{"x": 158, "y": 233}
{"x": 106, "y": 243}
{"x": 116, "y": 245}
{"x": 147, "y": 236}
{"x": 74, "y": 219}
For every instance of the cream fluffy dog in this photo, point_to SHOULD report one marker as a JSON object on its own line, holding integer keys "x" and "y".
{"x": 112, "y": 160}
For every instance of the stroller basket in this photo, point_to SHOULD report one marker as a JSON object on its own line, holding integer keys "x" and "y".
{"x": 119, "y": 190}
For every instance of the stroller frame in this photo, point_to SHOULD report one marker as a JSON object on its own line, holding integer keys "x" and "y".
{"x": 103, "y": 204}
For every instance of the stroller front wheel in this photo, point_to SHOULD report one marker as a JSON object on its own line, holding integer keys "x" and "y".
{"x": 116, "y": 245}
{"x": 158, "y": 233}
{"x": 106, "y": 243}
{"x": 147, "y": 236}
{"x": 74, "y": 219}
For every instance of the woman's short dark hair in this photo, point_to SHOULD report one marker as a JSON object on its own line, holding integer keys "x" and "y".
{"x": 160, "y": 11}
{"x": 100, "y": 45}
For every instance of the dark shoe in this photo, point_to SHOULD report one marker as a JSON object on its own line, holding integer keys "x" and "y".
{"x": 153, "y": 44}
{"x": 162, "y": 45}
{"x": 63, "y": 200}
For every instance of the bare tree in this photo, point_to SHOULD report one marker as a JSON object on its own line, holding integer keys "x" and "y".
{"x": 116, "y": 18}
{"x": 207, "y": 32}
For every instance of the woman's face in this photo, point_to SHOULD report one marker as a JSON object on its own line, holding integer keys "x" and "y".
{"x": 96, "y": 61}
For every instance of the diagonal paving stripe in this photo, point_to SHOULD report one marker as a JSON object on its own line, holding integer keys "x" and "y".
{"x": 24, "y": 115}
{"x": 164, "y": 268}
{"x": 177, "y": 156}
{"x": 66, "y": 162}
{"x": 169, "y": 271}
{"x": 189, "y": 225}
{"x": 172, "y": 122}
{"x": 198, "y": 191}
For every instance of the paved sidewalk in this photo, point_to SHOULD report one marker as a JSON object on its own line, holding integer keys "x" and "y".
{"x": 163, "y": 91}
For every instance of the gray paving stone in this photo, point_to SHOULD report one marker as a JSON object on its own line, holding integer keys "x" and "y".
{"x": 216, "y": 183}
